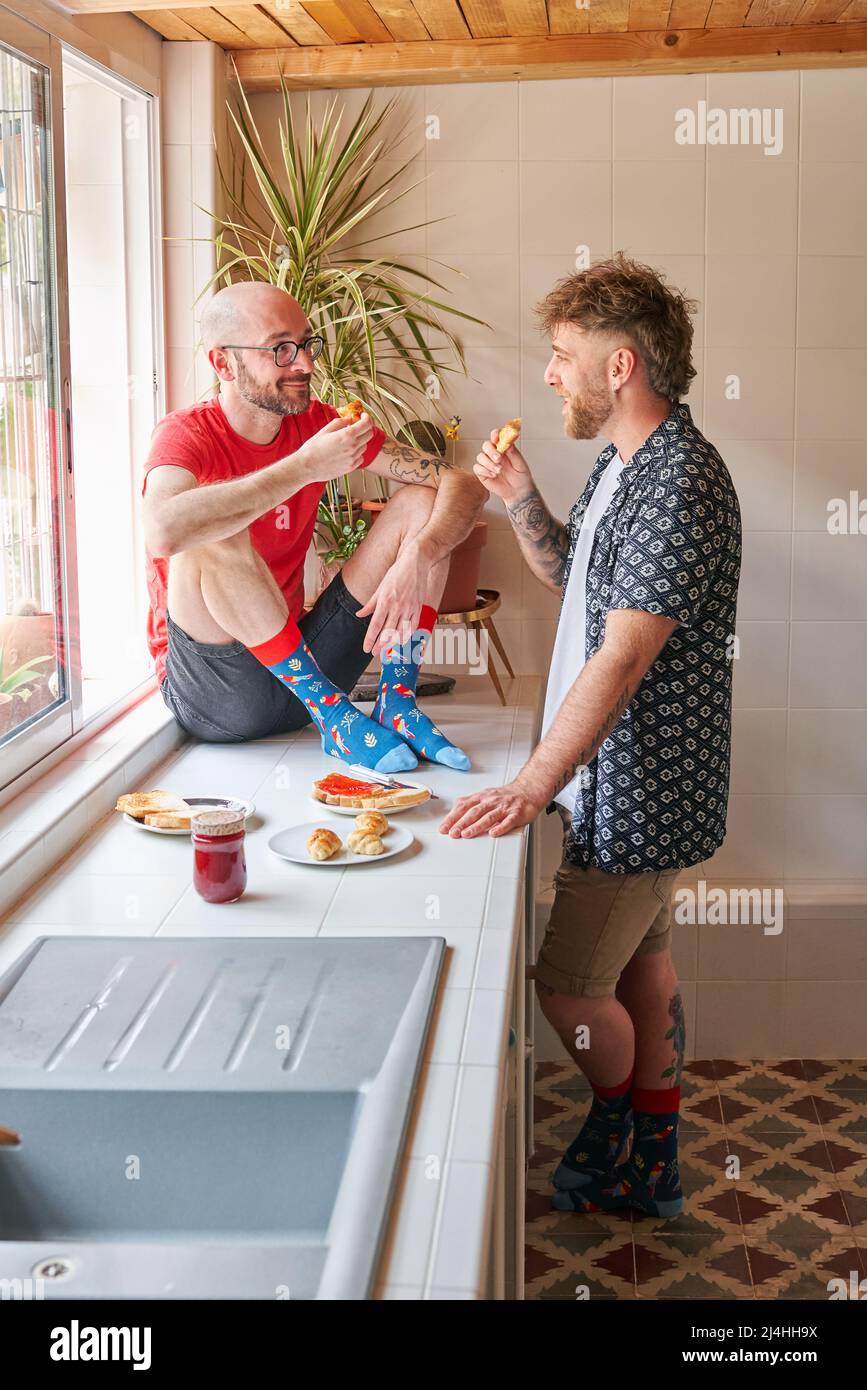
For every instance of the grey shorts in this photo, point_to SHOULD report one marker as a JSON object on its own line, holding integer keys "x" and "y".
{"x": 220, "y": 693}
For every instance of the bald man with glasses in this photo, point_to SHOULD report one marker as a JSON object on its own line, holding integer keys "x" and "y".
{"x": 231, "y": 491}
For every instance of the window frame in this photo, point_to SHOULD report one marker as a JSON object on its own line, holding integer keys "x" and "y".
{"x": 44, "y": 736}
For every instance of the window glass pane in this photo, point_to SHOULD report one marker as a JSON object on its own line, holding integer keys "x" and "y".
{"x": 32, "y": 678}
{"x": 111, "y": 330}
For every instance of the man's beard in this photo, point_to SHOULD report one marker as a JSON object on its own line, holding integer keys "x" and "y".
{"x": 587, "y": 413}
{"x": 275, "y": 399}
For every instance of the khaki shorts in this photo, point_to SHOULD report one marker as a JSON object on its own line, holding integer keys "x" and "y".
{"x": 598, "y": 922}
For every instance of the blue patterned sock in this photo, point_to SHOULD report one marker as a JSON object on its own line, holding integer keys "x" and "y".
{"x": 346, "y": 732}
{"x": 395, "y": 707}
{"x": 599, "y": 1146}
{"x": 649, "y": 1180}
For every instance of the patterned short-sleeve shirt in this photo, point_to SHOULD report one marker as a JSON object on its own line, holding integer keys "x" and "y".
{"x": 656, "y": 792}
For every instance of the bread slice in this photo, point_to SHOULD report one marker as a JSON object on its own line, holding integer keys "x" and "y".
{"x": 163, "y": 820}
{"x": 372, "y": 798}
{"x": 508, "y": 434}
{"x": 141, "y": 804}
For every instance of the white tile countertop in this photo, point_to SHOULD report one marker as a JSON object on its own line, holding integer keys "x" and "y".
{"x": 470, "y": 892}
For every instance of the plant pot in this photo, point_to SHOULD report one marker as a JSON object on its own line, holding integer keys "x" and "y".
{"x": 327, "y": 570}
{"x": 24, "y": 638}
{"x": 7, "y": 709}
{"x": 371, "y": 506}
{"x": 459, "y": 595}
{"x": 462, "y": 584}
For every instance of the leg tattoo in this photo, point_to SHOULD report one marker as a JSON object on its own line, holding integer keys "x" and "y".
{"x": 677, "y": 1033}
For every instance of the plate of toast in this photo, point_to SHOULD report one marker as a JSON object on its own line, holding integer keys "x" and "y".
{"x": 349, "y": 795}
{"x": 166, "y": 813}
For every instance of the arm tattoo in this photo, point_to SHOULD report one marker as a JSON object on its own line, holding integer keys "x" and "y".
{"x": 596, "y": 738}
{"x": 411, "y": 465}
{"x": 541, "y": 535}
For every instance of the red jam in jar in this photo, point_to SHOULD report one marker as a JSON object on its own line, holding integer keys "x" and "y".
{"x": 219, "y": 867}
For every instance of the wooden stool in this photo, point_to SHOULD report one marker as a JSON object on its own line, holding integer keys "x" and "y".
{"x": 482, "y": 616}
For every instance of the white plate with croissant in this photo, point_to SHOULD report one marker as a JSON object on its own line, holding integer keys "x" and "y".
{"x": 320, "y": 845}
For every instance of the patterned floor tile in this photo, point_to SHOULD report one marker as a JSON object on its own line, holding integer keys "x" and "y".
{"x": 798, "y": 1270}
{"x": 792, "y": 1217}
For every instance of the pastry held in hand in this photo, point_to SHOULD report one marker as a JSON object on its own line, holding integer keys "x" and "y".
{"x": 373, "y": 821}
{"x": 365, "y": 842}
{"x": 352, "y": 410}
{"x": 508, "y": 434}
{"x": 323, "y": 844}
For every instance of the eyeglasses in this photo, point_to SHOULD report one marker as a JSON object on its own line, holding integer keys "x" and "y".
{"x": 285, "y": 353}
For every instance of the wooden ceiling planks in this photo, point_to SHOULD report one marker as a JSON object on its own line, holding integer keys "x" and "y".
{"x": 363, "y": 16}
{"x": 170, "y": 25}
{"x": 486, "y": 19}
{"x": 442, "y": 19}
{"x": 525, "y": 17}
{"x": 257, "y": 25}
{"x": 401, "y": 19}
{"x": 727, "y": 14}
{"x": 648, "y": 14}
{"x": 565, "y": 17}
{"x": 688, "y": 14}
{"x": 210, "y": 24}
{"x": 820, "y": 11}
{"x": 590, "y": 55}
{"x": 336, "y": 23}
{"x": 345, "y": 43}
{"x": 296, "y": 21}
{"x": 609, "y": 17}
{"x": 764, "y": 12}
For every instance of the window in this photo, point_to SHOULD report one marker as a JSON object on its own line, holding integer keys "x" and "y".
{"x": 110, "y": 240}
{"x": 34, "y": 681}
{"x": 79, "y": 338}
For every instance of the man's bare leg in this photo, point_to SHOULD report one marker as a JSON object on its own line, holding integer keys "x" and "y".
{"x": 630, "y": 1027}
{"x": 404, "y": 515}
{"x": 647, "y": 993}
{"x": 610, "y": 1034}
{"x": 224, "y": 592}
{"x": 648, "y": 990}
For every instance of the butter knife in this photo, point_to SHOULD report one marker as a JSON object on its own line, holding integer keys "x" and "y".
{"x": 385, "y": 780}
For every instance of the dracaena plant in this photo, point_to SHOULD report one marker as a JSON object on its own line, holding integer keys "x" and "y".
{"x": 299, "y": 224}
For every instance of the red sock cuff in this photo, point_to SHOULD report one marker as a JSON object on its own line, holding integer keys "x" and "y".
{"x": 656, "y": 1102}
{"x": 277, "y": 648}
{"x": 426, "y": 618}
{"x": 609, "y": 1092}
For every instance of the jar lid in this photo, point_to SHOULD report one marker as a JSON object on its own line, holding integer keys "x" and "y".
{"x": 217, "y": 822}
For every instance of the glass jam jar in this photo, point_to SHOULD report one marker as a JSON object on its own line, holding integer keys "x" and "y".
{"x": 219, "y": 863}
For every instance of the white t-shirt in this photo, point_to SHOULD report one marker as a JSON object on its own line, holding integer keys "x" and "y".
{"x": 567, "y": 659}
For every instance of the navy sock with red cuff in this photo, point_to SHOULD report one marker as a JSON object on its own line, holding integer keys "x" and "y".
{"x": 601, "y": 1142}
{"x": 649, "y": 1180}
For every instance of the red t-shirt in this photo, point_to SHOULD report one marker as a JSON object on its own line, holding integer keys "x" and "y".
{"x": 200, "y": 439}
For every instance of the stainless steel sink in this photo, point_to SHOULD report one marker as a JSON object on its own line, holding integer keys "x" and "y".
{"x": 206, "y": 1118}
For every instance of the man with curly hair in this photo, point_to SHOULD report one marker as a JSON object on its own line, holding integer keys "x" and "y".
{"x": 636, "y": 733}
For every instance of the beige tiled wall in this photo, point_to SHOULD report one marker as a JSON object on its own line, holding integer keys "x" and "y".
{"x": 775, "y": 248}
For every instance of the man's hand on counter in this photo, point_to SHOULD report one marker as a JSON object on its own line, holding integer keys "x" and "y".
{"x": 494, "y": 811}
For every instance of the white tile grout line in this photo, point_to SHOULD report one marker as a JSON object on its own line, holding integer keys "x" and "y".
{"x": 427, "y": 1284}
{"x": 786, "y": 848}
